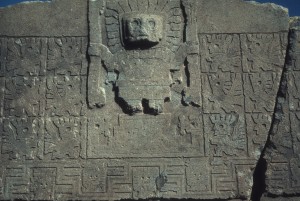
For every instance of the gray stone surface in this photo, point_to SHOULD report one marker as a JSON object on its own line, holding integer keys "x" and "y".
{"x": 139, "y": 99}
{"x": 280, "y": 198}
{"x": 236, "y": 16}
{"x": 295, "y": 23}
{"x": 283, "y": 151}
{"x": 45, "y": 19}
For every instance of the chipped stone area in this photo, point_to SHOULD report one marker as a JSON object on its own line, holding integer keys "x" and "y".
{"x": 282, "y": 150}
{"x": 149, "y": 100}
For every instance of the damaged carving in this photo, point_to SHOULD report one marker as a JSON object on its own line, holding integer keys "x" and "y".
{"x": 148, "y": 47}
{"x": 147, "y": 99}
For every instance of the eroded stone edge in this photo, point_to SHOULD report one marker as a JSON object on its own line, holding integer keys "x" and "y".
{"x": 274, "y": 145}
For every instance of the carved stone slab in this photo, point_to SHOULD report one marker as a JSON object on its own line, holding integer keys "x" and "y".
{"x": 138, "y": 99}
{"x": 282, "y": 154}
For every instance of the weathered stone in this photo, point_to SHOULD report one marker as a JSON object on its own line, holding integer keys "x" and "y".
{"x": 295, "y": 23}
{"x": 145, "y": 99}
{"x": 280, "y": 198}
{"x": 244, "y": 17}
{"x": 45, "y": 19}
{"x": 283, "y": 150}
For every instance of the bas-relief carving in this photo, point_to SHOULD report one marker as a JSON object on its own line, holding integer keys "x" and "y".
{"x": 159, "y": 83}
{"x": 156, "y": 110}
{"x": 282, "y": 176}
{"x": 147, "y": 44}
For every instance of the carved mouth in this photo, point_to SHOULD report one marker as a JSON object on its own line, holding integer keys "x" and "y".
{"x": 142, "y": 37}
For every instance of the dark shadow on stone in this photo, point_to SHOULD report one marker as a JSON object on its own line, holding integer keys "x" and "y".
{"x": 259, "y": 184}
{"x": 138, "y": 46}
{"x": 185, "y": 22}
{"x": 147, "y": 109}
{"x": 259, "y": 176}
{"x": 173, "y": 199}
{"x": 184, "y": 102}
{"x": 121, "y": 102}
{"x": 284, "y": 196}
{"x": 88, "y": 58}
{"x": 187, "y": 73}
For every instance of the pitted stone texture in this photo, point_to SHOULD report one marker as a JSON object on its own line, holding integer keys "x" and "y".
{"x": 157, "y": 99}
{"x": 214, "y": 131}
{"x": 295, "y": 23}
{"x": 280, "y": 198}
{"x": 141, "y": 28}
{"x": 282, "y": 154}
{"x": 241, "y": 18}
{"x": 53, "y": 19}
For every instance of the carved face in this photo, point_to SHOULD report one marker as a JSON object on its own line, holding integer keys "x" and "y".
{"x": 142, "y": 29}
{"x": 222, "y": 129}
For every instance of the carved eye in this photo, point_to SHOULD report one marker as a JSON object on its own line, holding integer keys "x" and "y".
{"x": 151, "y": 24}
{"x": 135, "y": 23}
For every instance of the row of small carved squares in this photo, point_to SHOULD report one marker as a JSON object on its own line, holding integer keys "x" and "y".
{"x": 283, "y": 176}
{"x": 40, "y": 96}
{"x": 242, "y": 52}
{"x": 66, "y": 95}
{"x": 219, "y": 52}
{"x": 249, "y": 92}
{"x": 124, "y": 178}
{"x": 258, "y": 51}
{"x": 223, "y": 135}
{"x": 38, "y": 139}
{"x": 43, "y": 56}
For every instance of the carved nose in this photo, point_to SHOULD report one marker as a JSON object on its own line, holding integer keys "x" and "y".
{"x": 143, "y": 31}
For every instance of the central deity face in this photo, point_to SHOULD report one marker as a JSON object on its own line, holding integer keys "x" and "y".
{"x": 142, "y": 29}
